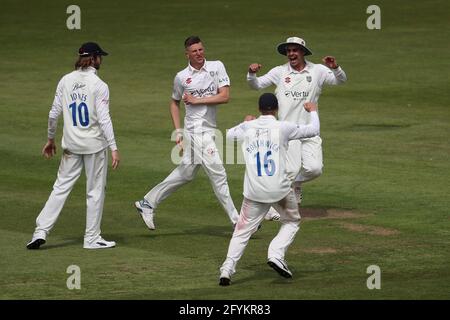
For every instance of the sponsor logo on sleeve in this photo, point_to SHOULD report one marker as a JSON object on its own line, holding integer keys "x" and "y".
{"x": 224, "y": 79}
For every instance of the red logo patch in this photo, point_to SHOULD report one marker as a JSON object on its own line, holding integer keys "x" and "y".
{"x": 287, "y": 80}
{"x": 188, "y": 80}
{"x": 211, "y": 151}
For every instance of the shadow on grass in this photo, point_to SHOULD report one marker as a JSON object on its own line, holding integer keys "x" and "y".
{"x": 65, "y": 243}
{"x": 264, "y": 272}
{"x": 262, "y": 276}
{"x": 214, "y": 231}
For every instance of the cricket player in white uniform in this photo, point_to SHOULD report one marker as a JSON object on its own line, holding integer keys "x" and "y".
{"x": 202, "y": 85}
{"x": 266, "y": 183}
{"x": 83, "y": 99}
{"x": 299, "y": 81}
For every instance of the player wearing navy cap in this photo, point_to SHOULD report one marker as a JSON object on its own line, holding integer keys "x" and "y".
{"x": 266, "y": 183}
{"x": 83, "y": 99}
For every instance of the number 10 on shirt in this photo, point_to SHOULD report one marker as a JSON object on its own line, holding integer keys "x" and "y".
{"x": 83, "y": 114}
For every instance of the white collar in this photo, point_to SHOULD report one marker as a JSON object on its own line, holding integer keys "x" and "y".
{"x": 267, "y": 116}
{"x": 88, "y": 69}
{"x": 307, "y": 68}
{"x": 192, "y": 69}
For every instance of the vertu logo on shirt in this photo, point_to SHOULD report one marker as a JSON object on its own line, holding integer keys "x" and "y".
{"x": 200, "y": 92}
{"x": 296, "y": 94}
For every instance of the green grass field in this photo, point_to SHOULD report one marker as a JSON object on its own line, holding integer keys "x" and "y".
{"x": 386, "y": 151}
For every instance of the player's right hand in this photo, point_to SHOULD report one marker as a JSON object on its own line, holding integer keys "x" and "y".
{"x": 115, "y": 159}
{"x": 179, "y": 140}
{"x": 254, "y": 68}
{"x": 310, "y": 106}
{"x": 249, "y": 117}
{"x": 49, "y": 149}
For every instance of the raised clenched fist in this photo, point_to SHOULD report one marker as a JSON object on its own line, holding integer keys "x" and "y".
{"x": 330, "y": 62}
{"x": 254, "y": 68}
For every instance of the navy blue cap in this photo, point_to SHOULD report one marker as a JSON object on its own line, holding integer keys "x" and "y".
{"x": 91, "y": 48}
{"x": 268, "y": 102}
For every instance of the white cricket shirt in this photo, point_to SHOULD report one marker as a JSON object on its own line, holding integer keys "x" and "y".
{"x": 83, "y": 98}
{"x": 294, "y": 88}
{"x": 200, "y": 83}
{"x": 264, "y": 145}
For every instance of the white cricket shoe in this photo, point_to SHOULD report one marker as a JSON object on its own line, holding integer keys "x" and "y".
{"x": 298, "y": 191}
{"x": 225, "y": 278}
{"x": 99, "y": 243}
{"x": 146, "y": 212}
{"x": 272, "y": 215}
{"x": 280, "y": 266}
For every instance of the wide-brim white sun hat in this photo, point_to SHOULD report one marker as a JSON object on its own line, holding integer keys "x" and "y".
{"x": 293, "y": 40}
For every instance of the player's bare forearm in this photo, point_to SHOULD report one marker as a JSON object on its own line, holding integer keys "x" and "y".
{"x": 175, "y": 113}
{"x": 217, "y": 99}
{"x": 222, "y": 97}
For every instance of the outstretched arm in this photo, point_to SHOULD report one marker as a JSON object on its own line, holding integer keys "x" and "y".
{"x": 238, "y": 131}
{"x": 257, "y": 83}
{"x": 305, "y": 131}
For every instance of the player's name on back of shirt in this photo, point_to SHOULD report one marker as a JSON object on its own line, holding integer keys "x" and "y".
{"x": 76, "y": 96}
{"x": 256, "y": 145}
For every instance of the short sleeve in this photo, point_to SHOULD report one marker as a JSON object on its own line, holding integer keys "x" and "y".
{"x": 178, "y": 89}
{"x": 223, "y": 78}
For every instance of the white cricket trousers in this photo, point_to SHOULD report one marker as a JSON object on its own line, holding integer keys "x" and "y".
{"x": 201, "y": 151}
{"x": 304, "y": 159}
{"x": 252, "y": 214}
{"x": 70, "y": 168}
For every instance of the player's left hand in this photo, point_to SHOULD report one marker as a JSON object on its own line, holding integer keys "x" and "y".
{"x": 49, "y": 149}
{"x": 330, "y": 62}
{"x": 189, "y": 98}
{"x": 115, "y": 159}
{"x": 310, "y": 106}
